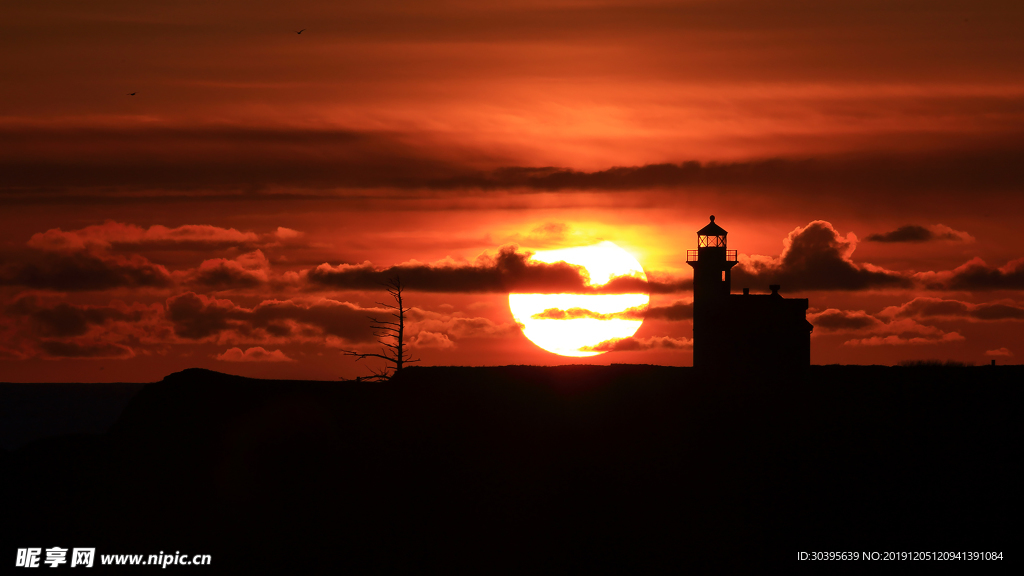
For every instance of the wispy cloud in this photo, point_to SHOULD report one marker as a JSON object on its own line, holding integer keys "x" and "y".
{"x": 256, "y": 354}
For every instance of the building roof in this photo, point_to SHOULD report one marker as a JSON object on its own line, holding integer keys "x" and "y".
{"x": 712, "y": 229}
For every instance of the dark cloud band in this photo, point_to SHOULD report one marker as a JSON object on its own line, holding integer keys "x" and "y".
{"x": 511, "y": 270}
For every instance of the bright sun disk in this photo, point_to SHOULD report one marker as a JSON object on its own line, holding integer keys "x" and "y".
{"x": 598, "y": 318}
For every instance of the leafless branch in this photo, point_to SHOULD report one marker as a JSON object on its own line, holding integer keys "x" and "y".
{"x": 390, "y": 335}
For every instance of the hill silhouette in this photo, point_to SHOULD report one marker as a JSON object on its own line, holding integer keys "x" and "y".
{"x": 505, "y": 469}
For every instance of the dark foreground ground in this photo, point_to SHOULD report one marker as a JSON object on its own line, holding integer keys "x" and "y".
{"x": 635, "y": 468}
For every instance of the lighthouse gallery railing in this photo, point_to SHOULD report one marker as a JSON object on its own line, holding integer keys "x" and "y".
{"x": 730, "y": 256}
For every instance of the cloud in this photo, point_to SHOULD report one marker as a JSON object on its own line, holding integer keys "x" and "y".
{"x": 897, "y": 340}
{"x": 38, "y": 325}
{"x": 73, "y": 349}
{"x": 878, "y": 331}
{"x": 803, "y": 177}
{"x": 915, "y": 233}
{"x": 554, "y": 235}
{"x": 8, "y": 353}
{"x": 903, "y": 332}
{"x": 246, "y": 271}
{"x": 66, "y": 320}
{"x": 114, "y": 234}
{"x": 44, "y": 325}
{"x": 833, "y": 320}
{"x": 287, "y": 233}
{"x": 816, "y": 257}
{"x": 976, "y": 275}
{"x": 636, "y": 313}
{"x": 657, "y": 283}
{"x": 432, "y": 340}
{"x": 43, "y": 164}
{"x": 632, "y": 344}
{"x": 675, "y": 311}
{"x": 456, "y": 326}
{"x": 547, "y": 234}
{"x": 169, "y": 158}
{"x": 83, "y": 271}
{"x": 509, "y": 271}
{"x": 257, "y": 354}
{"x": 926, "y": 307}
{"x": 997, "y": 311}
{"x": 195, "y": 317}
{"x": 81, "y": 260}
{"x": 999, "y": 352}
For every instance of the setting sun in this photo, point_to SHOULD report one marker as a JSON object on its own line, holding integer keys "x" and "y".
{"x": 579, "y": 324}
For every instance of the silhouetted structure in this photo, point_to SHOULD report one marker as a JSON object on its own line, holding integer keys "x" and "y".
{"x": 742, "y": 331}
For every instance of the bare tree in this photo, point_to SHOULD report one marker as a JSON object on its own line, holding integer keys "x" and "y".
{"x": 390, "y": 334}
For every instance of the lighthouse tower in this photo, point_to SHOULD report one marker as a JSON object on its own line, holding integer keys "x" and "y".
{"x": 712, "y": 264}
{"x": 742, "y": 332}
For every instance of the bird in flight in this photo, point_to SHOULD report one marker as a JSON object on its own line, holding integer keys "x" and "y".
{"x": 132, "y": 94}
{"x": 300, "y": 31}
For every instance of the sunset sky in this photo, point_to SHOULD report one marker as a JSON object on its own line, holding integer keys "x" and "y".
{"x": 239, "y": 210}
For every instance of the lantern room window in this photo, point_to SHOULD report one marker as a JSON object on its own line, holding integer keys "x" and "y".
{"x": 711, "y": 241}
{"x": 711, "y": 236}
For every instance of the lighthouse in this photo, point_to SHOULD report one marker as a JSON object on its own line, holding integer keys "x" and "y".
{"x": 712, "y": 263}
{"x": 742, "y": 332}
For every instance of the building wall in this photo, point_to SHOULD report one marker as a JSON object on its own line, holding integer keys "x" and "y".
{"x": 750, "y": 332}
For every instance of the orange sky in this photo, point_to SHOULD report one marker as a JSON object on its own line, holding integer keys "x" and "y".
{"x": 865, "y": 155}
